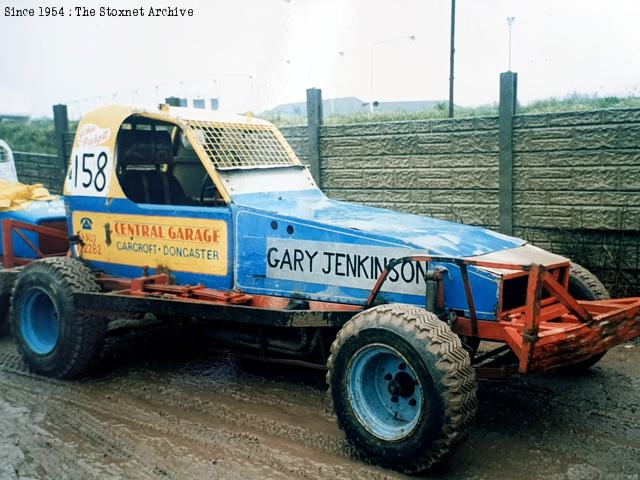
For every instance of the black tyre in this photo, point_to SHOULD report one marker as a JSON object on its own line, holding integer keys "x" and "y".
{"x": 584, "y": 285}
{"x": 52, "y": 337}
{"x": 402, "y": 387}
{"x": 6, "y": 284}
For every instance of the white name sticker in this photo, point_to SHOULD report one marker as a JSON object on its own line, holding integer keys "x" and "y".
{"x": 343, "y": 265}
{"x": 89, "y": 172}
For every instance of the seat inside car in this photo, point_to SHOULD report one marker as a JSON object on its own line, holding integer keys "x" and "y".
{"x": 144, "y": 161}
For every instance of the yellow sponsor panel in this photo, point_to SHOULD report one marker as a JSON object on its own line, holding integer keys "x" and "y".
{"x": 180, "y": 244}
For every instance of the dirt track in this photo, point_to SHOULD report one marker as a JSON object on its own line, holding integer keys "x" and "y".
{"x": 165, "y": 412}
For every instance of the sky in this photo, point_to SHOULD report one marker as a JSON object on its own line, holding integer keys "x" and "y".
{"x": 256, "y": 54}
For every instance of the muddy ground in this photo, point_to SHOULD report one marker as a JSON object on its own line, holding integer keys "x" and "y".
{"x": 162, "y": 411}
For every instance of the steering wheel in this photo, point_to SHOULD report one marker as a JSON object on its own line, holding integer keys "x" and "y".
{"x": 207, "y": 185}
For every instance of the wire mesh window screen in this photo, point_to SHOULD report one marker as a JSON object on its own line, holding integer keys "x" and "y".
{"x": 3, "y": 155}
{"x": 234, "y": 145}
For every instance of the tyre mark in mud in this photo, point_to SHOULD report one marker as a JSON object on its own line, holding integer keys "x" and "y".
{"x": 73, "y": 426}
{"x": 593, "y": 416}
{"x": 271, "y": 394}
{"x": 107, "y": 422}
{"x": 194, "y": 416}
{"x": 186, "y": 422}
{"x": 133, "y": 444}
{"x": 217, "y": 409}
{"x": 27, "y": 450}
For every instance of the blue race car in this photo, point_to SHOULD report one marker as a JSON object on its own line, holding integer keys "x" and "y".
{"x": 192, "y": 214}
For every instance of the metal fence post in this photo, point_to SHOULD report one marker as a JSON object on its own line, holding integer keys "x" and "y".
{"x": 314, "y": 123}
{"x": 61, "y": 127}
{"x": 506, "y": 111}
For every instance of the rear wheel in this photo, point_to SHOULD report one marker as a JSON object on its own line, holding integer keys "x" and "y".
{"x": 402, "y": 387}
{"x": 52, "y": 337}
{"x": 584, "y": 285}
{"x": 6, "y": 284}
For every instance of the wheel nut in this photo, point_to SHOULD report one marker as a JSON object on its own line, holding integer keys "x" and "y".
{"x": 388, "y": 376}
{"x": 394, "y": 388}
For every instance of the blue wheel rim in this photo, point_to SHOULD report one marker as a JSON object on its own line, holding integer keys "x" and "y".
{"x": 39, "y": 322}
{"x": 385, "y": 393}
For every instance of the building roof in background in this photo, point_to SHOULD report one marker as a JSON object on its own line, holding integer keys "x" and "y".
{"x": 11, "y": 116}
{"x": 348, "y": 105}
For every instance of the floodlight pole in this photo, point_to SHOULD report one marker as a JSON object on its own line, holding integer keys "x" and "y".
{"x": 452, "y": 51}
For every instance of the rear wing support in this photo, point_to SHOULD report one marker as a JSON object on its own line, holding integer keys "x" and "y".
{"x": 11, "y": 227}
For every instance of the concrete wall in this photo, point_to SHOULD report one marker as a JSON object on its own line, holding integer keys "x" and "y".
{"x": 577, "y": 189}
{"x": 578, "y": 170}
{"x": 576, "y": 179}
{"x": 298, "y": 139}
{"x": 39, "y": 168}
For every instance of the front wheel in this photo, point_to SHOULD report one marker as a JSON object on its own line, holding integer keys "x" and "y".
{"x": 402, "y": 387}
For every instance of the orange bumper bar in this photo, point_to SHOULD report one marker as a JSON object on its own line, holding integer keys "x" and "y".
{"x": 558, "y": 331}
{"x": 566, "y": 340}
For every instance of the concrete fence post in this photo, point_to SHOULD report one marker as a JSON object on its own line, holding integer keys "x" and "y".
{"x": 314, "y": 123}
{"x": 506, "y": 111}
{"x": 61, "y": 127}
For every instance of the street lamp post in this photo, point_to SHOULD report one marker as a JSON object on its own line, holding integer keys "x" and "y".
{"x": 373, "y": 46}
{"x": 510, "y": 21}
{"x": 452, "y": 51}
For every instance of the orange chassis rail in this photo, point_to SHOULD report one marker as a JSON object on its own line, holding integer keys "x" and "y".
{"x": 544, "y": 334}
